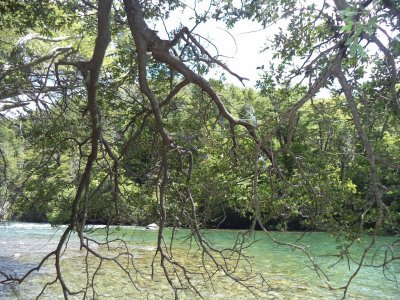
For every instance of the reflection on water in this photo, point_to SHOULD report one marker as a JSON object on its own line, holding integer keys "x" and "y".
{"x": 287, "y": 272}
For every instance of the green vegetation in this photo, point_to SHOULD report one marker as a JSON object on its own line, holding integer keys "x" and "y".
{"x": 102, "y": 121}
{"x": 322, "y": 185}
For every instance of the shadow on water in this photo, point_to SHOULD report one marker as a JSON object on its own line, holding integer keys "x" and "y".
{"x": 14, "y": 266}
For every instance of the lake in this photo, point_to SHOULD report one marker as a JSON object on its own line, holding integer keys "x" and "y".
{"x": 287, "y": 272}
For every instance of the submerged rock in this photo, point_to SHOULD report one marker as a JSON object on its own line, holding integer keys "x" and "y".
{"x": 152, "y": 226}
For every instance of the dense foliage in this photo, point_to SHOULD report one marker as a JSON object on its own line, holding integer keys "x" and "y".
{"x": 102, "y": 121}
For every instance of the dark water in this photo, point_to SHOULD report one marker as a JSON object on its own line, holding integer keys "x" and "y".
{"x": 288, "y": 272}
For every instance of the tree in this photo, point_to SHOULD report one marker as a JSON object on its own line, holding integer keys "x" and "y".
{"x": 112, "y": 100}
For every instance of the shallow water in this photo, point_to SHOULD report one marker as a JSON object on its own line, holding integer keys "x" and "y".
{"x": 288, "y": 273}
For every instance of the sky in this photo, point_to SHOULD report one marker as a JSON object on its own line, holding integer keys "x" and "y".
{"x": 239, "y": 48}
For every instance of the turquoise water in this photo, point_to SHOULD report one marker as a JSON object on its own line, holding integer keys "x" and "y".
{"x": 288, "y": 272}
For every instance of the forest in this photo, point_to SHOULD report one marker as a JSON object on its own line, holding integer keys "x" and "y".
{"x": 104, "y": 120}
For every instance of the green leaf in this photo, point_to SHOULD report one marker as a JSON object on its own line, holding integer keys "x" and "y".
{"x": 348, "y": 27}
{"x": 348, "y": 12}
{"x": 349, "y": 41}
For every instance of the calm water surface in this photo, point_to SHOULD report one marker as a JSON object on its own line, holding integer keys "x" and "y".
{"x": 288, "y": 272}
